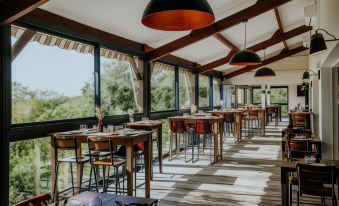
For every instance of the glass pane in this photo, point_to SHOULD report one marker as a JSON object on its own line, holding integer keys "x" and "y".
{"x": 256, "y": 96}
{"x": 52, "y": 78}
{"x": 240, "y": 96}
{"x": 216, "y": 92}
{"x": 121, "y": 90}
{"x": 204, "y": 90}
{"x": 186, "y": 89}
{"x": 162, "y": 88}
{"x": 279, "y": 95}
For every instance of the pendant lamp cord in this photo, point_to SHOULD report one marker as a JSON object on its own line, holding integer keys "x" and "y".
{"x": 245, "y": 35}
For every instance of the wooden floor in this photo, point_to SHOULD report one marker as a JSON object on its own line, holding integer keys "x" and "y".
{"x": 248, "y": 175}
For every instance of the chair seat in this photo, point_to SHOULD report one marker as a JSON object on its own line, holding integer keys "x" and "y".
{"x": 72, "y": 159}
{"x": 100, "y": 154}
{"x": 108, "y": 161}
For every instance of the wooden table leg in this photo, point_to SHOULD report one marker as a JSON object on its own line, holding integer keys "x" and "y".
{"x": 160, "y": 148}
{"x": 284, "y": 187}
{"x": 79, "y": 154}
{"x": 239, "y": 127}
{"x": 53, "y": 168}
{"x": 221, "y": 137}
{"x": 148, "y": 160}
{"x": 129, "y": 166}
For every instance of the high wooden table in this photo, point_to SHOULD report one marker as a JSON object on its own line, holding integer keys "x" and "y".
{"x": 150, "y": 126}
{"x": 126, "y": 140}
{"x": 218, "y": 121}
{"x": 288, "y": 167}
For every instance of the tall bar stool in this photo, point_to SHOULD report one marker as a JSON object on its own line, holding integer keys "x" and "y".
{"x": 104, "y": 144}
{"x": 177, "y": 128}
{"x": 67, "y": 143}
{"x": 253, "y": 120}
{"x": 204, "y": 128}
{"x": 190, "y": 137}
{"x": 270, "y": 114}
{"x": 229, "y": 121}
{"x": 138, "y": 156}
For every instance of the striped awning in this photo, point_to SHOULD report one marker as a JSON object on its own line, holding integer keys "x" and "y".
{"x": 62, "y": 43}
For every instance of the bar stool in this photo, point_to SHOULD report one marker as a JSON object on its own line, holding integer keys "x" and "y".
{"x": 229, "y": 121}
{"x": 253, "y": 120}
{"x": 67, "y": 143}
{"x": 138, "y": 154}
{"x": 204, "y": 128}
{"x": 105, "y": 144}
{"x": 190, "y": 132}
{"x": 270, "y": 113}
{"x": 177, "y": 127}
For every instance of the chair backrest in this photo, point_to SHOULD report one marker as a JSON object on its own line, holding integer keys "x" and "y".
{"x": 271, "y": 109}
{"x": 253, "y": 113}
{"x": 177, "y": 126}
{"x": 203, "y": 127}
{"x": 40, "y": 200}
{"x": 65, "y": 142}
{"x": 229, "y": 118}
{"x": 130, "y": 204}
{"x": 299, "y": 148}
{"x": 315, "y": 175}
{"x": 299, "y": 119}
{"x": 99, "y": 144}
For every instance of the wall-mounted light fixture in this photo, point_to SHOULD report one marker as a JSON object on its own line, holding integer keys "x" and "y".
{"x": 318, "y": 44}
{"x": 306, "y": 75}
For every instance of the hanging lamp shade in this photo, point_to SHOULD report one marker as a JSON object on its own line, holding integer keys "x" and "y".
{"x": 178, "y": 15}
{"x": 306, "y": 75}
{"x": 264, "y": 72}
{"x": 317, "y": 43}
{"x": 245, "y": 58}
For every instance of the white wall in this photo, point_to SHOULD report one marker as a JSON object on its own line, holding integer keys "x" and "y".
{"x": 327, "y": 18}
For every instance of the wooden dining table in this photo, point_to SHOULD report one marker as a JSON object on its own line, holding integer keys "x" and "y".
{"x": 150, "y": 125}
{"x": 214, "y": 120}
{"x": 129, "y": 141}
{"x": 288, "y": 167}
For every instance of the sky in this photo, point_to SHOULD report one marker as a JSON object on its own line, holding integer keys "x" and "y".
{"x": 49, "y": 67}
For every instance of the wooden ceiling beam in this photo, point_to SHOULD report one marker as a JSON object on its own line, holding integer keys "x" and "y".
{"x": 260, "y": 7}
{"x": 14, "y": 9}
{"x": 225, "y": 41}
{"x": 219, "y": 62}
{"x": 275, "y": 39}
{"x": 281, "y": 28}
{"x": 285, "y": 53}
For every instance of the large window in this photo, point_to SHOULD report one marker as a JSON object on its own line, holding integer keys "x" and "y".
{"x": 162, "y": 87}
{"x": 256, "y": 95}
{"x": 204, "y": 90}
{"x": 279, "y": 95}
{"x": 121, "y": 83}
{"x": 52, "y": 77}
{"x": 186, "y": 89}
{"x": 216, "y": 92}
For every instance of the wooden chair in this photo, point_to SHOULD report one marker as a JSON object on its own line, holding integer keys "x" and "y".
{"x": 299, "y": 120}
{"x": 104, "y": 144}
{"x": 270, "y": 114}
{"x": 313, "y": 180}
{"x": 40, "y": 200}
{"x": 297, "y": 149}
{"x": 67, "y": 143}
{"x": 252, "y": 119}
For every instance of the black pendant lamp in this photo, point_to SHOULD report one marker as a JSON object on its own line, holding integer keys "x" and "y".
{"x": 245, "y": 57}
{"x": 318, "y": 44}
{"x": 178, "y": 15}
{"x": 264, "y": 71}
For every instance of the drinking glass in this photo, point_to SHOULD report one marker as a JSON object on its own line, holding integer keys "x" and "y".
{"x": 110, "y": 128}
{"x": 83, "y": 127}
